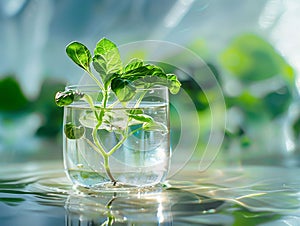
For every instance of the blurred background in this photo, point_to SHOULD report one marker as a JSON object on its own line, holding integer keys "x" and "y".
{"x": 251, "y": 47}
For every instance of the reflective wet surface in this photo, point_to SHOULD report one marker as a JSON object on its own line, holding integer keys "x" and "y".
{"x": 40, "y": 194}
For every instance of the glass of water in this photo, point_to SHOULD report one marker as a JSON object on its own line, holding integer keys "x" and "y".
{"x": 109, "y": 144}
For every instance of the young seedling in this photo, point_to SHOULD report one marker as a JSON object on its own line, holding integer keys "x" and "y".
{"x": 123, "y": 81}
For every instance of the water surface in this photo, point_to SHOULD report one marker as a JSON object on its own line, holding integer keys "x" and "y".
{"x": 40, "y": 194}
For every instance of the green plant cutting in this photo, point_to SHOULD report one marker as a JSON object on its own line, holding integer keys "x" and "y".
{"x": 123, "y": 81}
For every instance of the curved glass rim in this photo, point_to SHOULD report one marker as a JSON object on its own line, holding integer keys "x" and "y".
{"x": 96, "y": 87}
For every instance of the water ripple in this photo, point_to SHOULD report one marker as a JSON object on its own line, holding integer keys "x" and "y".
{"x": 216, "y": 196}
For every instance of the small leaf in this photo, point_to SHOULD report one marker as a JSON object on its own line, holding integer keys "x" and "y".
{"x": 64, "y": 98}
{"x": 115, "y": 121}
{"x": 67, "y": 97}
{"x": 73, "y": 132}
{"x": 123, "y": 89}
{"x": 80, "y": 54}
{"x": 173, "y": 83}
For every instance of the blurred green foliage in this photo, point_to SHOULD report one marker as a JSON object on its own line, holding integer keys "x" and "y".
{"x": 45, "y": 105}
{"x": 265, "y": 85}
{"x": 277, "y": 102}
{"x": 12, "y": 98}
{"x": 296, "y": 127}
{"x": 14, "y": 104}
{"x": 271, "y": 105}
{"x": 250, "y": 58}
{"x": 261, "y": 86}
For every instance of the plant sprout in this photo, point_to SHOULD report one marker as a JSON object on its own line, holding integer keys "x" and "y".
{"x": 123, "y": 81}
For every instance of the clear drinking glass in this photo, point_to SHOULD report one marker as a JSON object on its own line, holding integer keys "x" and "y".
{"x": 121, "y": 145}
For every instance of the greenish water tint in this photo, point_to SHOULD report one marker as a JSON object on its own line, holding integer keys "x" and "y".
{"x": 40, "y": 194}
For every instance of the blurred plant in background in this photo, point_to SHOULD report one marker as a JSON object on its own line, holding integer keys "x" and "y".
{"x": 29, "y": 128}
{"x": 259, "y": 89}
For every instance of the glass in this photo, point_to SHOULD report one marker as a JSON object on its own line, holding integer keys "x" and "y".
{"x": 121, "y": 146}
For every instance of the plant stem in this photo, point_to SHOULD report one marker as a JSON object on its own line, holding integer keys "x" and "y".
{"x": 107, "y": 169}
{"x": 98, "y": 147}
{"x": 119, "y": 144}
{"x": 102, "y": 152}
{"x": 95, "y": 138}
{"x": 97, "y": 142}
{"x": 105, "y": 97}
{"x": 137, "y": 104}
{"x": 96, "y": 80}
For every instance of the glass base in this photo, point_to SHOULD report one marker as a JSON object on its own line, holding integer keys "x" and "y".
{"x": 118, "y": 188}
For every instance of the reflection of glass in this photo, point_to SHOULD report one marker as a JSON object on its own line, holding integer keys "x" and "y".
{"x": 122, "y": 145}
{"x": 161, "y": 207}
{"x": 110, "y": 208}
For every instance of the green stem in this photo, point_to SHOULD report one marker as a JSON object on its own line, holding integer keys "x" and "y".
{"x": 140, "y": 99}
{"x": 107, "y": 169}
{"x": 96, "y": 80}
{"x": 90, "y": 101}
{"x": 102, "y": 152}
{"x": 105, "y": 98}
{"x": 114, "y": 103}
{"x": 95, "y": 138}
{"x": 119, "y": 144}
{"x": 98, "y": 147}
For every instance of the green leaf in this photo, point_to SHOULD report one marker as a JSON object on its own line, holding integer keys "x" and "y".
{"x": 173, "y": 83}
{"x": 150, "y": 75}
{"x": 141, "y": 72}
{"x": 104, "y": 46}
{"x": 67, "y": 97}
{"x": 80, "y": 54}
{"x": 107, "y": 60}
{"x": 99, "y": 63}
{"x": 135, "y": 111}
{"x": 107, "y": 71}
{"x": 155, "y": 126}
{"x": 133, "y": 64}
{"x": 123, "y": 89}
{"x": 73, "y": 132}
{"x": 141, "y": 117}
